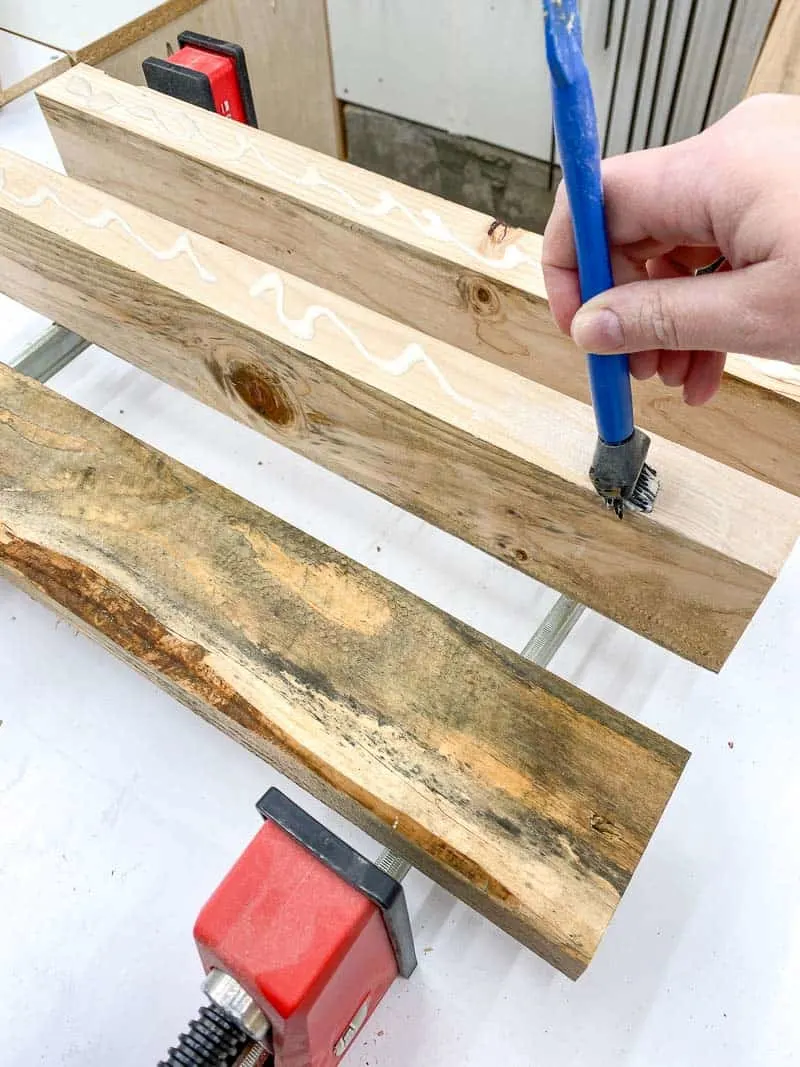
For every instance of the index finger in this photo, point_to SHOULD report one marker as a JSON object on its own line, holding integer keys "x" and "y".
{"x": 654, "y": 203}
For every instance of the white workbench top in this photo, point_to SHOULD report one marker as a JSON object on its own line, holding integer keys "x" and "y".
{"x": 121, "y": 811}
{"x": 73, "y": 25}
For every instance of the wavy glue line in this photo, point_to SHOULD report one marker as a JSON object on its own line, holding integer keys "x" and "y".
{"x": 103, "y": 219}
{"x": 305, "y": 328}
{"x": 425, "y": 221}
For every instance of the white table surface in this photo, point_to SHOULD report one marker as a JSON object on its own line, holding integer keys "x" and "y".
{"x": 70, "y": 25}
{"x": 120, "y": 811}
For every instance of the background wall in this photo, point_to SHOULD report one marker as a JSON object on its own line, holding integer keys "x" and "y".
{"x": 661, "y": 70}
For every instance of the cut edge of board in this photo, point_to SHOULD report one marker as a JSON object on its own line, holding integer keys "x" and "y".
{"x": 772, "y": 374}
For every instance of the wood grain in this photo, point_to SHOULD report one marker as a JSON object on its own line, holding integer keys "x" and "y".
{"x": 25, "y": 64}
{"x": 778, "y": 67}
{"x": 519, "y": 793}
{"x": 332, "y": 224}
{"x": 487, "y": 455}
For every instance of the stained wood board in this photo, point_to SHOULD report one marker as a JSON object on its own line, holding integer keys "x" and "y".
{"x": 25, "y": 64}
{"x": 778, "y": 67}
{"x": 481, "y": 452}
{"x": 431, "y": 264}
{"x": 524, "y": 796}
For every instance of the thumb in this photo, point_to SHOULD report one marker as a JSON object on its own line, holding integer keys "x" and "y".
{"x": 709, "y": 312}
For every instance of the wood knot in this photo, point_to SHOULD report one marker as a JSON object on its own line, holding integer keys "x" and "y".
{"x": 497, "y": 232}
{"x": 87, "y": 478}
{"x": 261, "y": 391}
{"x": 603, "y": 825}
{"x": 479, "y": 296}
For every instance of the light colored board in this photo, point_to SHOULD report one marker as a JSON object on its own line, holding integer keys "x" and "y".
{"x": 25, "y": 64}
{"x": 288, "y": 62}
{"x": 522, "y": 795}
{"x": 778, "y": 67}
{"x": 479, "y": 451}
{"x": 405, "y": 253}
{"x": 89, "y": 29}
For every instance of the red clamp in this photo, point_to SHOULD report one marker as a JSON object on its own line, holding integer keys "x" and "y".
{"x": 301, "y": 941}
{"x": 206, "y": 72}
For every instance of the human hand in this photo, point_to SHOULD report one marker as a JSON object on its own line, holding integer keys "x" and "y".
{"x": 733, "y": 190}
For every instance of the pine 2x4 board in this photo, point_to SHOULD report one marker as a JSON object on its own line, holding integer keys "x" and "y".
{"x": 487, "y": 455}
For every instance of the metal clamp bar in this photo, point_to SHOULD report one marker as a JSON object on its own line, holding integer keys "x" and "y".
{"x": 50, "y": 353}
{"x": 553, "y": 631}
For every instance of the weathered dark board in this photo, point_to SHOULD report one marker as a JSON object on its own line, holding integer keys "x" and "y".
{"x": 519, "y": 793}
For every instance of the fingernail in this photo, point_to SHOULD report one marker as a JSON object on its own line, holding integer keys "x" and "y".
{"x": 597, "y": 330}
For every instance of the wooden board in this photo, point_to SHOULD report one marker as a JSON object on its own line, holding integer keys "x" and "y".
{"x": 519, "y": 793}
{"x": 491, "y": 457}
{"x": 25, "y": 64}
{"x": 778, "y": 66}
{"x": 405, "y": 253}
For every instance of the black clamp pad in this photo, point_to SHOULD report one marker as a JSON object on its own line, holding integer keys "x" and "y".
{"x": 192, "y": 86}
{"x": 181, "y": 83}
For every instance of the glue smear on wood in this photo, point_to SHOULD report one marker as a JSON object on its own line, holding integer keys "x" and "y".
{"x": 102, "y": 220}
{"x": 182, "y": 128}
{"x": 304, "y": 327}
